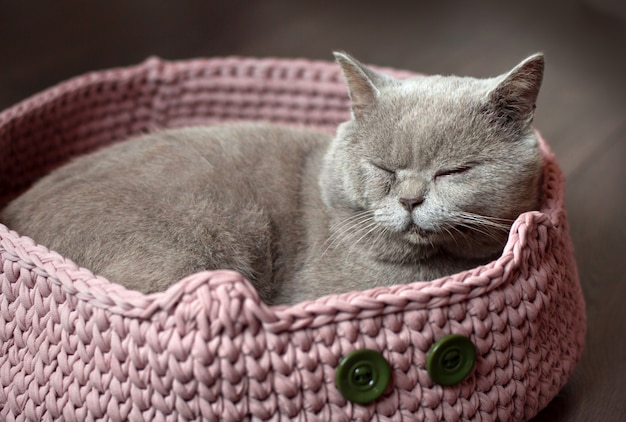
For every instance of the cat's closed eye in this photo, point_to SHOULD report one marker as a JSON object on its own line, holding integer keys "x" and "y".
{"x": 454, "y": 170}
{"x": 383, "y": 167}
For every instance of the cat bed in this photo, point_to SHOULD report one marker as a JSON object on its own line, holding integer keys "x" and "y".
{"x": 75, "y": 346}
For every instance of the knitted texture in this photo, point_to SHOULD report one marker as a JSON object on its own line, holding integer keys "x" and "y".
{"x": 76, "y": 347}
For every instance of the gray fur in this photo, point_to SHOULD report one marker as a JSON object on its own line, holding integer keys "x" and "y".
{"x": 423, "y": 181}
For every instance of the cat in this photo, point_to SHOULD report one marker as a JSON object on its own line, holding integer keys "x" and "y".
{"x": 424, "y": 180}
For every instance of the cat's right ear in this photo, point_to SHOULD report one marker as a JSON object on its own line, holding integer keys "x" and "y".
{"x": 515, "y": 96}
{"x": 361, "y": 81}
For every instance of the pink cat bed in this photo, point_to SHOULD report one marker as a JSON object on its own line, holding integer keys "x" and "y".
{"x": 77, "y": 347}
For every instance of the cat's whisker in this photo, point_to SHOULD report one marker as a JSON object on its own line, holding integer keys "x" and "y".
{"x": 490, "y": 227}
{"x": 471, "y": 223}
{"x": 489, "y": 224}
{"x": 447, "y": 230}
{"x": 372, "y": 226}
{"x": 344, "y": 232}
{"x": 350, "y": 219}
{"x": 480, "y": 229}
{"x": 347, "y": 229}
{"x": 382, "y": 233}
{"x": 496, "y": 222}
{"x": 338, "y": 228}
{"x": 347, "y": 225}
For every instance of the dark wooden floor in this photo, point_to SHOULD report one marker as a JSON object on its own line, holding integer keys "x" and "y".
{"x": 581, "y": 110}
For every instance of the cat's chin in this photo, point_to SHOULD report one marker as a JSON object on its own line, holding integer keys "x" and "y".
{"x": 419, "y": 231}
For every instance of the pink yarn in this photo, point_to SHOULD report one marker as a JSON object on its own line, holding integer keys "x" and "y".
{"x": 77, "y": 347}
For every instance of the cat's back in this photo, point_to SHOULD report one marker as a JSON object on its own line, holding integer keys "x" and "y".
{"x": 175, "y": 164}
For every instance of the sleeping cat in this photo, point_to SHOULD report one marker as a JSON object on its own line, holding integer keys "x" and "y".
{"x": 423, "y": 181}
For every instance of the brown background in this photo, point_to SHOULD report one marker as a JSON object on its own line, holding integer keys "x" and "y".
{"x": 581, "y": 109}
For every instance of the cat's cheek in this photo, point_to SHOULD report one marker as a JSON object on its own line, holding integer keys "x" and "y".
{"x": 449, "y": 195}
{"x": 376, "y": 190}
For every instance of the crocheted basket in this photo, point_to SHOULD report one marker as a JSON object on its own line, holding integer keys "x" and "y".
{"x": 77, "y": 347}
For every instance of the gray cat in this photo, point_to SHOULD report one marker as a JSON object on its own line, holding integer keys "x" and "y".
{"x": 423, "y": 181}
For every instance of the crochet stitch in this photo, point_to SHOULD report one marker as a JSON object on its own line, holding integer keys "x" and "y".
{"x": 77, "y": 347}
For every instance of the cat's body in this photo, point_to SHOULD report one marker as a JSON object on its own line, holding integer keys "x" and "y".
{"x": 422, "y": 182}
{"x": 149, "y": 212}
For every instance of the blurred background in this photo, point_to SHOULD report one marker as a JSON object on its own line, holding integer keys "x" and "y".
{"x": 581, "y": 109}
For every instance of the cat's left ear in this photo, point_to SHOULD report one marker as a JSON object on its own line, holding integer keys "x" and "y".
{"x": 515, "y": 97}
{"x": 363, "y": 83}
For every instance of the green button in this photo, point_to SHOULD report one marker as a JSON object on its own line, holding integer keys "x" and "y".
{"x": 362, "y": 376}
{"x": 451, "y": 359}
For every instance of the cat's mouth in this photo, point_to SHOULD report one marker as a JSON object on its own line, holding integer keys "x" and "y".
{"x": 420, "y": 231}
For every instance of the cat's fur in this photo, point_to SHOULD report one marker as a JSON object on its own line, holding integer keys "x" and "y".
{"x": 423, "y": 181}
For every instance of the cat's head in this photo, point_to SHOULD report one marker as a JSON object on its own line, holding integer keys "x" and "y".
{"x": 441, "y": 162}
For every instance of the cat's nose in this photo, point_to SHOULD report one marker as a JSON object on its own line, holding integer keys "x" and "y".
{"x": 410, "y": 203}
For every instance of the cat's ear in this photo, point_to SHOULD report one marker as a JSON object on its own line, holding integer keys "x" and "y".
{"x": 514, "y": 98}
{"x": 363, "y": 83}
